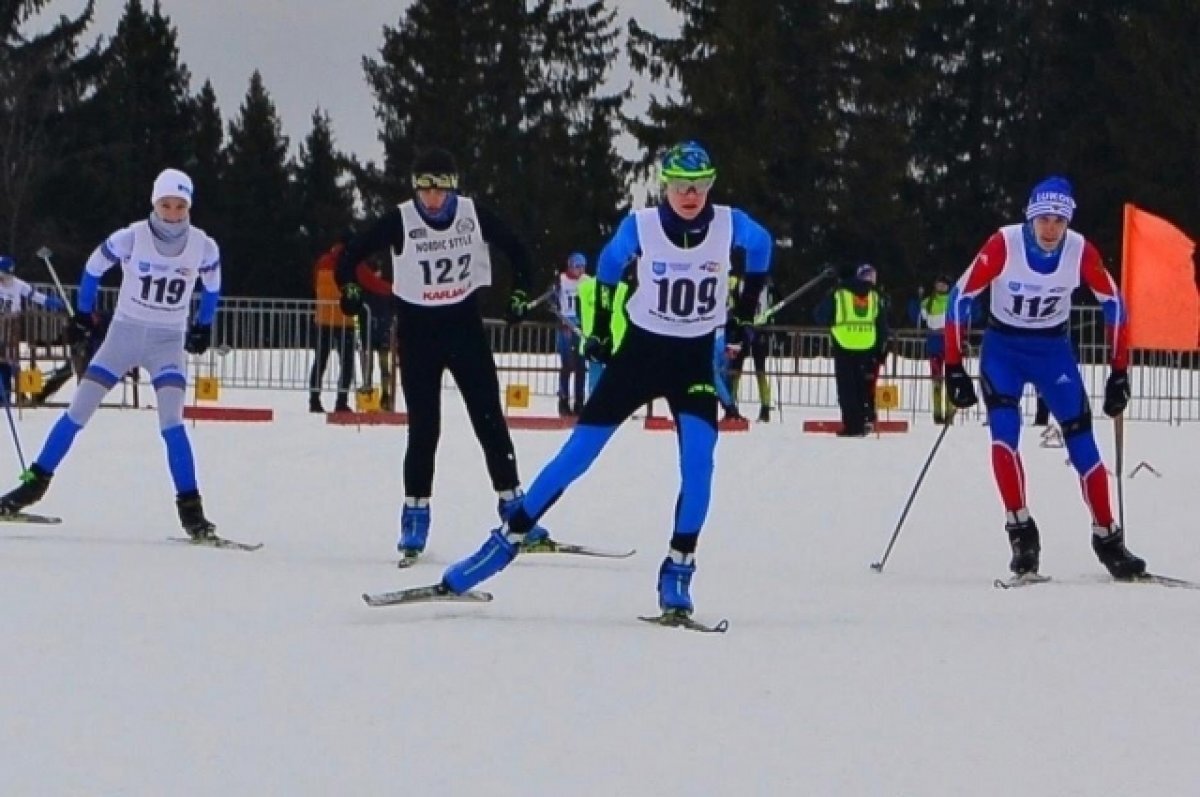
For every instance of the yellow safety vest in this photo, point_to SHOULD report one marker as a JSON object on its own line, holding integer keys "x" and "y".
{"x": 853, "y": 327}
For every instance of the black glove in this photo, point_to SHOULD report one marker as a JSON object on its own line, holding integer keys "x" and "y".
{"x": 198, "y": 338}
{"x": 1116, "y": 393}
{"x": 80, "y": 329}
{"x": 597, "y": 350}
{"x": 739, "y": 333}
{"x": 351, "y": 303}
{"x": 960, "y": 387}
{"x": 518, "y": 307}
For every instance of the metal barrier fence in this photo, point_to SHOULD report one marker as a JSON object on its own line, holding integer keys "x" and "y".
{"x": 270, "y": 344}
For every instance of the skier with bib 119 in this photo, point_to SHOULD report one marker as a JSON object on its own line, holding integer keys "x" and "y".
{"x": 1032, "y": 268}
{"x": 681, "y": 253}
{"x": 160, "y": 258}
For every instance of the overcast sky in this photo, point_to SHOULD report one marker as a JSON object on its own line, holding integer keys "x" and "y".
{"x": 309, "y": 53}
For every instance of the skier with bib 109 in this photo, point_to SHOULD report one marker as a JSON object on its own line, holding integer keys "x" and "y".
{"x": 1032, "y": 268}
{"x": 680, "y": 251}
{"x": 161, "y": 258}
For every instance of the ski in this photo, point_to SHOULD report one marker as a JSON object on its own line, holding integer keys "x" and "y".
{"x": 219, "y": 542}
{"x": 553, "y": 546}
{"x": 1147, "y": 578}
{"x": 1162, "y": 581}
{"x": 679, "y": 620}
{"x": 1026, "y": 580}
{"x": 433, "y": 593}
{"x": 29, "y": 517}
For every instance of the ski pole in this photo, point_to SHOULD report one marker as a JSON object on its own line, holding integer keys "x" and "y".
{"x": 5, "y": 396}
{"x": 878, "y": 566}
{"x": 542, "y": 299}
{"x": 1119, "y": 439}
{"x": 765, "y": 315}
{"x": 45, "y": 254}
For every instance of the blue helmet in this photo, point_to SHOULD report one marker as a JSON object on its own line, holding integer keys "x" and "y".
{"x": 576, "y": 260}
{"x": 7, "y": 264}
{"x": 688, "y": 160}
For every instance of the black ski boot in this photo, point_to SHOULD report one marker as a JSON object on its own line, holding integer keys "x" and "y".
{"x": 764, "y": 414}
{"x": 564, "y": 407}
{"x": 34, "y": 484}
{"x": 1113, "y": 554}
{"x": 1025, "y": 541}
{"x": 191, "y": 517}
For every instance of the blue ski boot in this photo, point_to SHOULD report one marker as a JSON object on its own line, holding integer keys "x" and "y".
{"x": 495, "y": 554}
{"x": 414, "y": 527}
{"x": 537, "y": 539}
{"x": 675, "y": 584}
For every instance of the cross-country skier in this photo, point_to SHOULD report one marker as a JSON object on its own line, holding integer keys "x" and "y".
{"x": 681, "y": 252}
{"x": 1032, "y": 268}
{"x": 160, "y": 259}
{"x": 440, "y": 251}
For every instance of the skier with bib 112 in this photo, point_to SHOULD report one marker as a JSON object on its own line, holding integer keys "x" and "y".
{"x": 1032, "y": 269}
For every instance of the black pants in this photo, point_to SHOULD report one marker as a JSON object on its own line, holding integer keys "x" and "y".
{"x": 854, "y": 371}
{"x": 329, "y": 339}
{"x": 431, "y": 344}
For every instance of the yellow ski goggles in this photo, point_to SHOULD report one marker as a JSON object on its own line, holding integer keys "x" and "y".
{"x": 445, "y": 182}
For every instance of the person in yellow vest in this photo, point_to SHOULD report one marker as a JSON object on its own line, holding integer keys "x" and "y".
{"x": 334, "y": 331}
{"x": 858, "y": 326}
{"x": 587, "y": 319}
{"x": 933, "y": 318}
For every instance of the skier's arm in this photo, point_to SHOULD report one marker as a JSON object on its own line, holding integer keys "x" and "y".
{"x": 118, "y": 246}
{"x": 1096, "y": 277}
{"x": 387, "y": 229}
{"x": 210, "y": 282}
{"x": 986, "y": 266}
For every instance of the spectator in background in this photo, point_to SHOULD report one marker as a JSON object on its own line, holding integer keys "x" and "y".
{"x": 376, "y": 326}
{"x": 333, "y": 331}
{"x": 758, "y": 349}
{"x": 571, "y": 368}
{"x": 858, "y": 326}
{"x": 14, "y": 292}
{"x": 933, "y": 318}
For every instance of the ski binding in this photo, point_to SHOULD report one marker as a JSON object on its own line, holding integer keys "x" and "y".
{"x": 219, "y": 542}
{"x": 677, "y": 619}
{"x": 1024, "y": 580}
{"x": 433, "y": 593}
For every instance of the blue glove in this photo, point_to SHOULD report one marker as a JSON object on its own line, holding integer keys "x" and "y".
{"x": 55, "y": 304}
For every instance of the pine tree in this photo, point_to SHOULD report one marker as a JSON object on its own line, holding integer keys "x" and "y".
{"x": 42, "y": 79}
{"x": 514, "y": 92}
{"x": 261, "y": 254}
{"x": 326, "y": 200}
{"x": 206, "y": 164}
{"x": 138, "y": 122}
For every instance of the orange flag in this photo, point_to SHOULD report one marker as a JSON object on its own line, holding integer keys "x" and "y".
{"x": 1158, "y": 279}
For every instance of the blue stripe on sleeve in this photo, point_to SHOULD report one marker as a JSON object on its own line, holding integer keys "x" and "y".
{"x": 208, "y": 307}
{"x": 89, "y": 287}
{"x": 619, "y": 250}
{"x": 754, "y": 238}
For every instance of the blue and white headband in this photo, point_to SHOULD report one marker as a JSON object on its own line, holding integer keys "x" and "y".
{"x": 1051, "y": 197}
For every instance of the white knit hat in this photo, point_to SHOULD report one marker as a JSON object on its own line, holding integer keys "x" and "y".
{"x": 172, "y": 182}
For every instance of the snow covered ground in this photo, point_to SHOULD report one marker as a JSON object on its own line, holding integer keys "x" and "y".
{"x": 135, "y": 666}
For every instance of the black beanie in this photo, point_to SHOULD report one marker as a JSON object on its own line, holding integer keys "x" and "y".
{"x": 434, "y": 161}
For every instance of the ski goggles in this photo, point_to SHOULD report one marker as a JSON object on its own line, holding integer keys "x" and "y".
{"x": 682, "y": 185}
{"x": 444, "y": 182}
